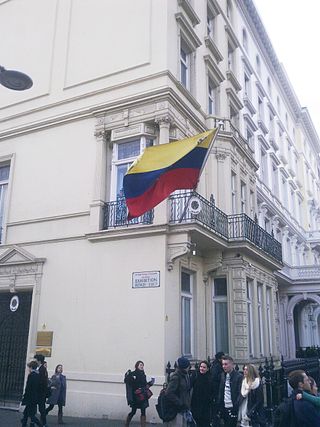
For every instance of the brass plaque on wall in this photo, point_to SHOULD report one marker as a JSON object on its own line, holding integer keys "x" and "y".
{"x": 44, "y": 339}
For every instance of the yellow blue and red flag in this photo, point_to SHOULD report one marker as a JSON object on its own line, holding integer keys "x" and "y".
{"x": 164, "y": 168}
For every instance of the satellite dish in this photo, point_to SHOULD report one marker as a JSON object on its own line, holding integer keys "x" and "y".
{"x": 15, "y": 80}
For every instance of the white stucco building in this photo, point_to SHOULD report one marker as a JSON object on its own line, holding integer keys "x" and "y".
{"x": 110, "y": 78}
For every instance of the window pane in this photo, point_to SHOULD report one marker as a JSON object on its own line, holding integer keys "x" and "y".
{"x": 220, "y": 287}
{"x": 221, "y": 326}
{"x": 186, "y": 325}
{"x": 129, "y": 149}
{"x": 185, "y": 282}
{"x": 121, "y": 171}
{"x": 4, "y": 172}
{"x": 183, "y": 74}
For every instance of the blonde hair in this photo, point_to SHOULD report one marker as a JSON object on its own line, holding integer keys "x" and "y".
{"x": 252, "y": 373}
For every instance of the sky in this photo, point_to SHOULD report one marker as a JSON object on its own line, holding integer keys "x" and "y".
{"x": 294, "y": 30}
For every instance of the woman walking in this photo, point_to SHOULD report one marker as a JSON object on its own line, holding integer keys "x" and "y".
{"x": 138, "y": 392}
{"x": 202, "y": 395}
{"x": 58, "y": 384}
{"x": 251, "y": 406}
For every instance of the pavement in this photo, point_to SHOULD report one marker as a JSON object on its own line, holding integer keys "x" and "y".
{"x": 9, "y": 418}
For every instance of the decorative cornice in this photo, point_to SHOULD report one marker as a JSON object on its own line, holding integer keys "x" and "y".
{"x": 214, "y": 70}
{"x": 233, "y": 80}
{"x": 188, "y": 32}
{"x": 189, "y": 11}
{"x": 210, "y": 44}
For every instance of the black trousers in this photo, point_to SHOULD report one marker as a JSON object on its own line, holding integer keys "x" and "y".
{"x": 42, "y": 410}
{"x": 30, "y": 412}
{"x": 230, "y": 417}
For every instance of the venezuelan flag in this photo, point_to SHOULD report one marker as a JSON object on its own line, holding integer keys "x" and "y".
{"x": 162, "y": 169}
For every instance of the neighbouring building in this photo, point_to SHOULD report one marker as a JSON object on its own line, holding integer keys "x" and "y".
{"x": 233, "y": 267}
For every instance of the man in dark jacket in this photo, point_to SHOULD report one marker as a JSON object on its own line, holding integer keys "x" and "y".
{"x": 178, "y": 392}
{"x": 216, "y": 371}
{"x": 30, "y": 397}
{"x": 229, "y": 392}
{"x": 305, "y": 414}
{"x": 43, "y": 387}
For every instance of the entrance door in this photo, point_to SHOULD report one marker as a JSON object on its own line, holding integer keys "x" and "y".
{"x": 14, "y": 330}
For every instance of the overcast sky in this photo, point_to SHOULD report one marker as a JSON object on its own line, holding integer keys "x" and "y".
{"x": 294, "y": 30}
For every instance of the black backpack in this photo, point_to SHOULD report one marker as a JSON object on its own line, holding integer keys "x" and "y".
{"x": 166, "y": 409}
{"x": 284, "y": 414}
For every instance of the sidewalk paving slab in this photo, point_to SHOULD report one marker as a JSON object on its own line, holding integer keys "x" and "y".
{"x": 9, "y": 418}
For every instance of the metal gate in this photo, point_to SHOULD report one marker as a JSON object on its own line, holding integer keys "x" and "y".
{"x": 14, "y": 330}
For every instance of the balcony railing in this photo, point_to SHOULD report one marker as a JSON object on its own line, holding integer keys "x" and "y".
{"x": 209, "y": 216}
{"x": 116, "y": 213}
{"x": 231, "y": 227}
{"x": 192, "y": 207}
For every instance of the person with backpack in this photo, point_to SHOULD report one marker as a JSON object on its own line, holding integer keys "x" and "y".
{"x": 251, "y": 399}
{"x": 202, "y": 395}
{"x": 138, "y": 393}
{"x": 178, "y": 393}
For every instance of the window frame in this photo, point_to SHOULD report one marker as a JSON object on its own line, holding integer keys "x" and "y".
{"x": 218, "y": 299}
{"x": 184, "y": 297}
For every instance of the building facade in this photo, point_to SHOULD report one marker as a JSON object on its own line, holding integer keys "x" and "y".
{"x": 233, "y": 267}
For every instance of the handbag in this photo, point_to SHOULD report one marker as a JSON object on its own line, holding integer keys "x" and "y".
{"x": 143, "y": 393}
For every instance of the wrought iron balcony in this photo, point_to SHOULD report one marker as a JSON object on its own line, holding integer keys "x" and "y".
{"x": 116, "y": 213}
{"x": 231, "y": 227}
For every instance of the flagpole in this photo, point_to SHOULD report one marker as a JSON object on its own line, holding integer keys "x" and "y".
{"x": 202, "y": 167}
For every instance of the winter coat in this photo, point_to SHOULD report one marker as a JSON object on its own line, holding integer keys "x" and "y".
{"x": 58, "y": 385}
{"x": 235, "y": 385}
{"x": 43, "y": 381}
{"x": 134, "y": 380}
{"x": 178, "y": 390}
{"x": 202, "y": 395}
{"x": 255, "y": 409}
{"x": 216, "y": 372}
{"x": 31, "y": 393}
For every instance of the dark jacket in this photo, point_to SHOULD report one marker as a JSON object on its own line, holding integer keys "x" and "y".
{"x": 235, "y": 386}
{"x": 178, "y": 390}
{"x": 202, "y": 395}
{"x": 255, "y": 409}
{"x": 305, "y": 414}
{"x": 216, "y": 371}
{"x": 58, "y": 385}
{"x": 31, "y": 393}
{"x": 134, "y": 380}
{"x": 43, "y": 381}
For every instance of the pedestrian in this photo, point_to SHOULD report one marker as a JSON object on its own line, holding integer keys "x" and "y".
{"x": 229, "y": 392}
{"x": 58, "y": 385}
{"x": 216, "y": 371}
{"x": 202, "y": 395}
{"x": 251, "y": 400}
{"x": 30, "y": 397}
{"x": 304, "y": 412}
{"x": 43, "y": 387}
{"x": 178, "y": 393}
{"x": 138, "y": 392}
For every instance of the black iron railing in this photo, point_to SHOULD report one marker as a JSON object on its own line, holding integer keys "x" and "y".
{"x": 242, "y": 227}
{"x": 209, "y": 215}
{"x": 231, "y": 227}
{"x": 116, "y": 213}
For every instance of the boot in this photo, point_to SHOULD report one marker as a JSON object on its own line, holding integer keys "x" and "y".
{"x": 129, "y": 418}
{"x": 143, "y": 421}
{"x": 60, "y": 420}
